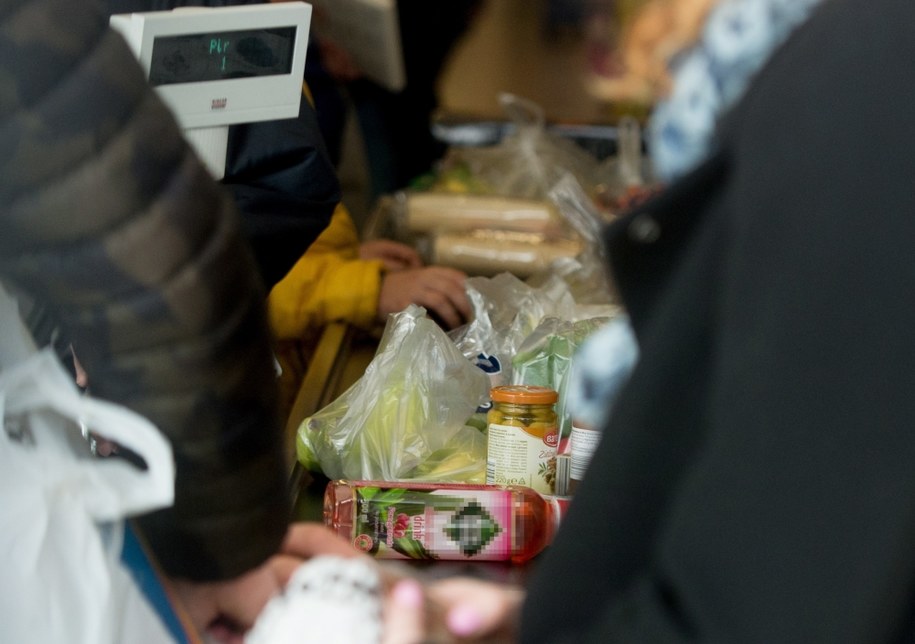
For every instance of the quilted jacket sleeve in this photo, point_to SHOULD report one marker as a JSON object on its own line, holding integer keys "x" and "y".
{"x": 109, "y": 220}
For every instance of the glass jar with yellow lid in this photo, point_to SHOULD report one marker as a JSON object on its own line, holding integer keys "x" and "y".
{"x": 522, "y": 435}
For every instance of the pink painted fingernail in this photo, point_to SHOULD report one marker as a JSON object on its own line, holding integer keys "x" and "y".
{"x": 408, "y": 592}
{"x": 464, "y": 621}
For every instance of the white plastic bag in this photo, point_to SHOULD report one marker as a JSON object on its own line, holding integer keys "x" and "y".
{"x": 62, "y": 509}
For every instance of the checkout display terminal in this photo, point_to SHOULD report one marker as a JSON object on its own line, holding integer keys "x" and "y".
{"x": 220, "y": 66}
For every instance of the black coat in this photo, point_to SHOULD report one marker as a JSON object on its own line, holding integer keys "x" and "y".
{"x": 757, "y": 480}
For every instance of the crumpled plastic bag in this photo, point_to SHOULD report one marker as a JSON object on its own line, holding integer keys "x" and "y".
{"x": 506, "y": 310}
{"x": 527, "y": 162}
{"x": 585, "y": 274}
{"x": 406, "y": 417}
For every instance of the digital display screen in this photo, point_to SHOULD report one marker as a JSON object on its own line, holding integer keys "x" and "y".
{"x": 222, "y": 55}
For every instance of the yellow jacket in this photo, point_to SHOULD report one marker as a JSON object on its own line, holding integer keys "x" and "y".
{"x": 329, "y": 283}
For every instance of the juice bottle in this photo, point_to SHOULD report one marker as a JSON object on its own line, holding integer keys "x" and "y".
{"x": 407, "y": 520}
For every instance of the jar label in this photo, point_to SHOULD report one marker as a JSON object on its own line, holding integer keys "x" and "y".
{"x": 583, "y": 442}
{"x": 517, "y": 457}
{"x": 398, "y": 523}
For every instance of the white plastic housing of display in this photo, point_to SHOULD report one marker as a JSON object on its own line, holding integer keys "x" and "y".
{"x": 218, "y": 66}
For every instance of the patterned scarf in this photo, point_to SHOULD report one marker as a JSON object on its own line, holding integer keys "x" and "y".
{"x": 736, "y": 41}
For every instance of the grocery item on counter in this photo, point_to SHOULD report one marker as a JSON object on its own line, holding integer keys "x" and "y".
{"x": 405, "y": 418}
{"x": 504, "y": 207}
{"x": 488, "y": 252}
{"x": 527, "y": 161}
{"x": 546, "y": 355}
{"x": 563, "y": 475}
{"x": 429, "y": 212}
{"x": 448, "y": 521}
{"x": 522, "y": 436}
{"x": 505, "y": 311}
{"x": 583, "y": 442}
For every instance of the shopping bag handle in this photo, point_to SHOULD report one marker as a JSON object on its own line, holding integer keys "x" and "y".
{"x": 40, "y": 383}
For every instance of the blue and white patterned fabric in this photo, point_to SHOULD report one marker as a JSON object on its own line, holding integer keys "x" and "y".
{"x": 600, "y": 369}
{"x": 736, "y": 41}
{"x": 738, "y": 38}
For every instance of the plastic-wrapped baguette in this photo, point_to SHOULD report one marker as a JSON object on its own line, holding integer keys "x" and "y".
{"x": 428, "y": 212}
{"x": 487, "y": 252}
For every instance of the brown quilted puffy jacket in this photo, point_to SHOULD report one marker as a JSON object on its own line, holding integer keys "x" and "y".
{"x": 109, "y": 220}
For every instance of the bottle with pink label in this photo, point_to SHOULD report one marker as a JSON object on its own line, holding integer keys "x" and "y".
{"x": 408, "y": 520}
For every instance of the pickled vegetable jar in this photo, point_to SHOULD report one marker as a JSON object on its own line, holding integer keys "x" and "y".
{"x": 522, "y": 435}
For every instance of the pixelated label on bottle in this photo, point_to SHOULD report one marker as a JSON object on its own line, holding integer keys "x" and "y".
{"x": 517, "y": 457}
{"x": 397, "y": 523}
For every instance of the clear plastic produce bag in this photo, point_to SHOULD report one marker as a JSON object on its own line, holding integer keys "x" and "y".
{"x": 407, "y": 417}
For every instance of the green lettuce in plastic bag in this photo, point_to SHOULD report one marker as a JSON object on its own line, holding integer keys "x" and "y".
{"x": 406, "y": 417}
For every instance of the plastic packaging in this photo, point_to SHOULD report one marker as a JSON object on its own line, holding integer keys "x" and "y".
{"x": 503, "y": 207}
{"x": 629, "y": 176}
{"x": 505, "y": 311}
{"x": 528, "y": 161}
{"x": 522, "y": 435}
{"x": 328, "y": 599}
{"x": 445, "y": 521}
{"x": 406, "y": 417}
{"x": 488, "y": 252}
{"x": 545, "y": 358}
{"x": 427, "y": 212}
